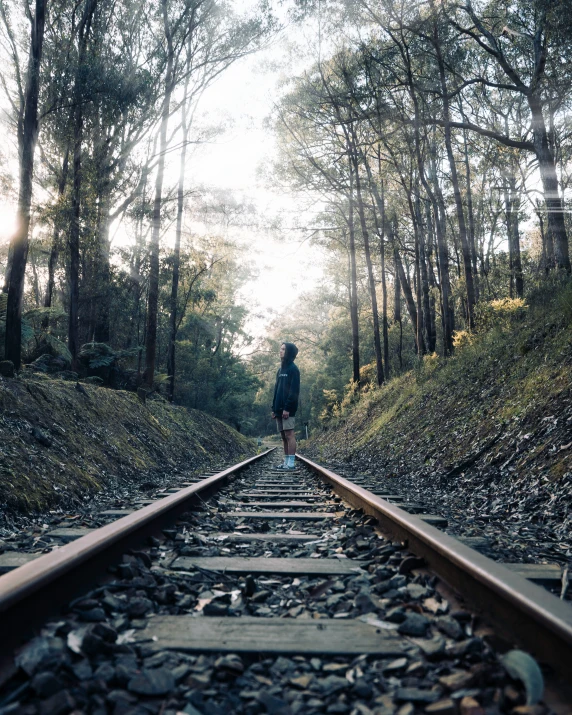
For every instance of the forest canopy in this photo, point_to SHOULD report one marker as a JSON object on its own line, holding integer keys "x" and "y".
{"x": 430, "y": 143}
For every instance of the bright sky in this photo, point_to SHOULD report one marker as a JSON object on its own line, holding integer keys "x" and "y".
{"x": 287, "y": 264}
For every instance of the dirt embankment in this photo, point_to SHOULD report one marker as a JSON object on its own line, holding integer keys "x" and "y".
{"x": 485, "y": 438}
{"x": 60, "y": 442}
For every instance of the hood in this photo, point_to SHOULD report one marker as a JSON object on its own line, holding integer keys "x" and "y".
{"x": 291, "y": 352}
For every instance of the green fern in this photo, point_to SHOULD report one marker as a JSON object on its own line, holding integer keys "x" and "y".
{"x": 103, "y": 355}
{"x": 53, "y": 314}
{"x": 60, "y": 348}
{"x": 97, "y": 355}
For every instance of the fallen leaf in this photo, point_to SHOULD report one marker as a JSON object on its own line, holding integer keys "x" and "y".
{"x": 522, "y": 666}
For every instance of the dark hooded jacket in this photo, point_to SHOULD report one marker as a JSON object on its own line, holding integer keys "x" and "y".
{"x": 287, "y": 386}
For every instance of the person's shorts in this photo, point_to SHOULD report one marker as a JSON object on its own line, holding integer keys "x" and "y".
{"x": 285, "y": 424}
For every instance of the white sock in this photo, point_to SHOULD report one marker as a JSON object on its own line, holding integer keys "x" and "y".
{"x": 291, "y": 458}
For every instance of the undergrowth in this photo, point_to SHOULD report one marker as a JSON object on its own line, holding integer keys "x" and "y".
{"x": 59, "y": 444}
{"x": 512, "y": 367}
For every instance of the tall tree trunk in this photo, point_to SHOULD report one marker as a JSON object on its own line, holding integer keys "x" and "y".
{"x": 19, "y": 244}
{"x": 409, "y": 301}
{"x": 556, "y": 226}
{"x": 353, "y": 285}
{"x": 153, "y": 298}
{"x": 55, "y": 247}
{"x": 433, "y": 191}
{"x": 74, "y": 231}
{"x": 424, "y": 276}
{"x": 371, "y": 277}
{"x": 465, "y": 249}
{"x": 433, "y": 287}
{"x": 380, "y": 226}
{"x": 176, "y": 269}
{"x": 419, "y": 333}
{"x": 102, "y": 327}
{"x": 471, "y": 216}
{"x": 173, "y": 318}
{"x": 547, "y": 243}
{"x": 512, "y": 206}
{"x": 396, "y": 295}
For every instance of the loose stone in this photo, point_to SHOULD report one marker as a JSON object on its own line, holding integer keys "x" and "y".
{"x": 158, "y": 681}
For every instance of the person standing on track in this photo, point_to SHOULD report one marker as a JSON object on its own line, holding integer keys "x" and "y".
{"x": 285, "y": 402}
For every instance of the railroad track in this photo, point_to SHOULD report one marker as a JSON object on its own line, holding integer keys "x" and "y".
{"x": 253, "y": 590}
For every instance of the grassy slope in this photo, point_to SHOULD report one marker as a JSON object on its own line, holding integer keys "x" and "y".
{"x": 499, "y": 412}
{"x": 97, "y": 439}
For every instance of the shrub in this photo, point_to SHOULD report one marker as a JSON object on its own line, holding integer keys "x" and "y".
{"x": 499, "y": 313}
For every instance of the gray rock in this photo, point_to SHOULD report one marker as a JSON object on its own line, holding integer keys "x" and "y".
{"x": 180, "y": 671}
{"x": 397, "y": 664}
{"x": 105, "y": 672}
{"x": 395, "y": 615}
{"x": 273, "y": 705}
{"x": 215, "y": 609}
{"x": 46, "y": 684}
{"x": 232, "y": 663}
{"x": 158, "y": 681}
{"x": 433, "y": 649}
{"x": 450, "y": 627}
{"x": 121, "y": 697}
{"x": 414, "y": 625}
{"x": 59, "y": 704}
{"x": 470, "y": 646}
{"x": 113, "y": 604}
{"x": 364, "y": 603}
{"x": 382, "y": 587}
{"x": 281, "y": 665}
{"x": 190, "y": 709}
{"x": 138, "y": 607}
{"x": 93, "y": 645}
{"x": 334, "y": 599}
{"x": 416, "y": 590}
{"x": 94, "y": 615}
{"x": 362, "y": 689}
{"x": 42, "y": 653}
{"x": 83, "y": 670}
{"x": 417, "y": 695}
{"x": 105, "y": 631}
{"x": 125, "y": 671}
{"x": 397, "y": 581}
{"x": 332, "y": 684}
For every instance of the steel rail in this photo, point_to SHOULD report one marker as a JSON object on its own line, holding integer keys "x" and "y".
{"x": 36, "y": 590}
{"x": 520, "y": 611}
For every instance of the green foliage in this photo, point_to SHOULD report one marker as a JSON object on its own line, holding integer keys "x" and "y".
{"x": 45, "y": 327}
{"x": 564, "y": 303}
{"x": 96, "y": 355}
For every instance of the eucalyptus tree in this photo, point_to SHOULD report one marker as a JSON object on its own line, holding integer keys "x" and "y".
{"x": 215, "y": 37}
{"x": 211, "y": 48}
{"x": 316, "y": 158}
{"x": 25, "y": 107}
{"x": 524, "y": 49}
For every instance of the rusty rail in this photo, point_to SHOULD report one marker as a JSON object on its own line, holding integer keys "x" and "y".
{"x": 521, "y": 611}
{"x": 38, "y": 589}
